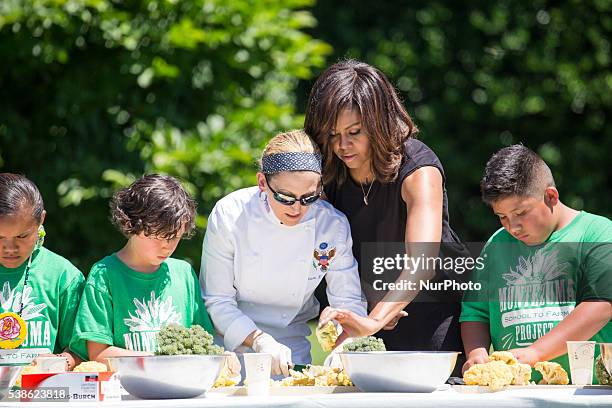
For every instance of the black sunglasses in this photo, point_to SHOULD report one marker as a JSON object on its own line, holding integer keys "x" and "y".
{"x": 285, "y": 199}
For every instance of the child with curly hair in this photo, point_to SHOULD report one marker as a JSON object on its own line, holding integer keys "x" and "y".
{"x": 131, "y": 294}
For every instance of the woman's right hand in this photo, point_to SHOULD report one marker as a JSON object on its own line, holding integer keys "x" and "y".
{"x": 352, "y": 324}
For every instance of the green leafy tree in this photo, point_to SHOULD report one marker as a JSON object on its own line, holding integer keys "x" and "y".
{"x": 93, "y": 93}
{"x": 480, "y": 75}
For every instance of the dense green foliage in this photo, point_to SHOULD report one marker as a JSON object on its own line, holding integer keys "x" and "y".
{"x": 175, "y": 339}
{"x": 94, "y": 93}
{"x": 479, "y": 75}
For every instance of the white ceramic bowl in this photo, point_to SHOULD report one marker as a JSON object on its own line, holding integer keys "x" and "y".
{"x": 163, "y": 377}
{"x": 399, "y": 371}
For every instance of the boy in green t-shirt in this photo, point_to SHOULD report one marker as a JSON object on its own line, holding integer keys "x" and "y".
{"x": 132, "y": 293}
{"x": 39, "y": 290}
{"x": 547, "y": 274}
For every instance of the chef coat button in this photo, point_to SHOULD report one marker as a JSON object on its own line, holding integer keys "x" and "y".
{"x": 284, "y": 315}
{"x": 293, "y": 294}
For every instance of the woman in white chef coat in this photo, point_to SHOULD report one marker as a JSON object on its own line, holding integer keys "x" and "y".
{"x": 267, "y": 248}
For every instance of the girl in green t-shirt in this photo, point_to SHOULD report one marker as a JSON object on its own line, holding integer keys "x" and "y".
{"x": 131, "y": 294}
{"x": 39, "y": 290}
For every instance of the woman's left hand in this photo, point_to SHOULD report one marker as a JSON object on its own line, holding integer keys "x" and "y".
{"x": 391, "y": 325}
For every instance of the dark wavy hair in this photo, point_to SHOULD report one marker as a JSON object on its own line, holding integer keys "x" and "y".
{"x": 18, "y": 193}
{"x": 155, "y": 205}
{"x": 515, "y": 171}
{"x": 355, "y": 85}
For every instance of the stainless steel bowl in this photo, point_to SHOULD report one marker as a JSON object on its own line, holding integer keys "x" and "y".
{"x": 8, "y": 376}
{"x": 163, "y": 377}
{"x": 399, "y": 371}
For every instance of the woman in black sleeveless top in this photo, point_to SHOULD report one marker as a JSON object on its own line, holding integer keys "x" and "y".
{"x": 391, "y": 188}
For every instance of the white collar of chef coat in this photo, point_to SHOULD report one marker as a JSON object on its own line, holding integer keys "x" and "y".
{"x": 268, "y": 213}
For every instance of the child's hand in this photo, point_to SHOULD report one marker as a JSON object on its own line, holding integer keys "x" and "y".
{"x": 526, "y": 355}
{"x": 478, "y": 356}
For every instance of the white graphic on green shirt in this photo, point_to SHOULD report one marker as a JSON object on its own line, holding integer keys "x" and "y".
{"x": 149, "y": 317}
{"x": 538, "y": 294}
{"x": 536, "y": 269}
{"x": 39, "y": 331}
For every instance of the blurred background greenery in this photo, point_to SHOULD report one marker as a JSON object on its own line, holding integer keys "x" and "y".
{"x": 94, "y": 93}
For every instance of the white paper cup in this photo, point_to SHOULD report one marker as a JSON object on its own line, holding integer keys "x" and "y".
{"x": 581, "y": 356}
{"x": 258, "y": 367}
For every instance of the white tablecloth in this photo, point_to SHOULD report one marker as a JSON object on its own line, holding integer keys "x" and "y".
{"x": 520, "y": 398}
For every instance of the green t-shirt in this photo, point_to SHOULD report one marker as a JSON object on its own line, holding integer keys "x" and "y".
{"x": 50, "y": 301}
{"x": 527, "y": 290}
{"x": 126, "y": 308}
